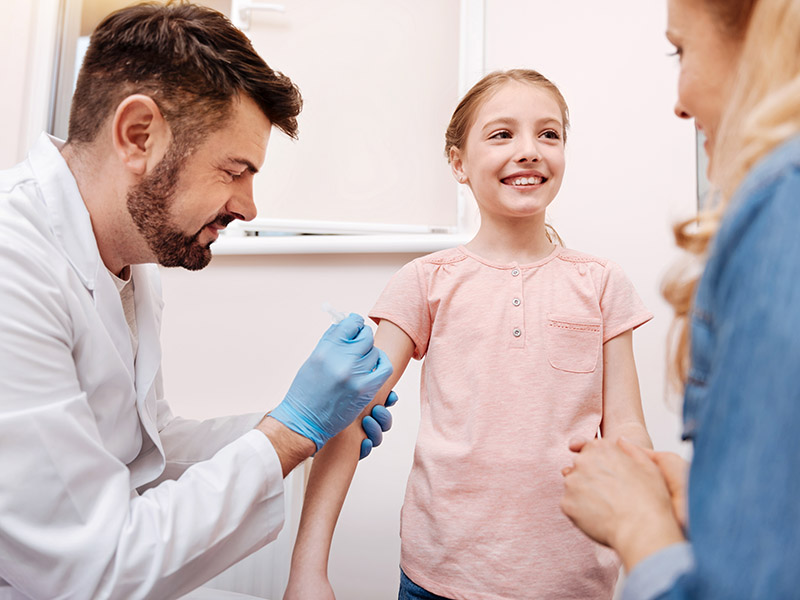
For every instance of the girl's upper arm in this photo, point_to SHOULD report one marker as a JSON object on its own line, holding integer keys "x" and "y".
{"x": 622, "y": 404}
{"x": 399, "y": 347}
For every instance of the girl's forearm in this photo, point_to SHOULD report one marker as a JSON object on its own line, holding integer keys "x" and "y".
{"x": 332, "y": 471}
{"x": 633, "y": 431}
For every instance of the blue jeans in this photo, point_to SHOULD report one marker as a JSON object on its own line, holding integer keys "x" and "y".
{"x": 411, "y": 591}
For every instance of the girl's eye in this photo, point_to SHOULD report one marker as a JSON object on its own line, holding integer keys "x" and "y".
{"x": 552, "y": 134}
{"x": 500, "y": 135}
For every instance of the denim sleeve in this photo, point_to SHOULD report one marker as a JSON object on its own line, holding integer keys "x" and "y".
{"x": 744, "y": 487}
{"x": 657, "y": 573}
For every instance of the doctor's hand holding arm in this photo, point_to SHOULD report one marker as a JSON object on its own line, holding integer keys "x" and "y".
{"x": 332, "y": 472}
{"x": 333, "y": 386}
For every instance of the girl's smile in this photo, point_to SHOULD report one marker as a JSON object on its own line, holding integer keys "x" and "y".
{"x": 524, "y": 179}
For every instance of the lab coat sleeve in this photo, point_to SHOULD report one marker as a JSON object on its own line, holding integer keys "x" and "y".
{"x": 188, "y": 441}
{"x": 70, "y": 524}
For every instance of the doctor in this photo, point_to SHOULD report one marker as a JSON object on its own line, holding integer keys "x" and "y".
{"x": 103, "y": 492}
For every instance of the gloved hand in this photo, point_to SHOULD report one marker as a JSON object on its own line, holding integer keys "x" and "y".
{"x": 342, "y": 376}
{"x": 375, "y": 424}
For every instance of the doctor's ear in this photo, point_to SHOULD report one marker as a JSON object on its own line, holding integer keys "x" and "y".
{"x": 140, "y": 133}
{"x": 457, "y": 165}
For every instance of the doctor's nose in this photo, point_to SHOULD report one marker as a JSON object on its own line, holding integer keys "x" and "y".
{"x": 242, "y": 205}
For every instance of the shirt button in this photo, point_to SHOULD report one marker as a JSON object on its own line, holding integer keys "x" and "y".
{"x": 517, "y": 332}
{"x": 516, "y": 302}
{"x": 515, "y": 272}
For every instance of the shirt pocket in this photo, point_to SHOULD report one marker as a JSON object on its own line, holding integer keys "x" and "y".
{"x": 573, "y": 343}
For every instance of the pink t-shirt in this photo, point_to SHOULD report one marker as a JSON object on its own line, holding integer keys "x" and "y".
{"x": 513, "y": 369}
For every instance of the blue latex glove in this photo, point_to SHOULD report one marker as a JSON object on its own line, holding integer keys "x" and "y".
{"x": 342, "y": 376}
{"x": 375, "y": 424}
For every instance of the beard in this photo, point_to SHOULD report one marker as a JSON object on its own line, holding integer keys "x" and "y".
{"x": 149, "y": 203}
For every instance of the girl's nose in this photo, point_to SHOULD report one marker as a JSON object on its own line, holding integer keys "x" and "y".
{"x": 529, "y": 153}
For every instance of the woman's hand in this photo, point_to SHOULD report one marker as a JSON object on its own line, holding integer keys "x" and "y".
{"x": 675, "y": 472}
{"x": 617, "y": 495}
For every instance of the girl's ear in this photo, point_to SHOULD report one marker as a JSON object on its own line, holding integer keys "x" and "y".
{"x": 140, "y": 133}
{"x": 457, "y": 165}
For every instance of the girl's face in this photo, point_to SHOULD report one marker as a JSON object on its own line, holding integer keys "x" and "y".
{"x": 708, "y": 65}
{"x": 513, "y": 157}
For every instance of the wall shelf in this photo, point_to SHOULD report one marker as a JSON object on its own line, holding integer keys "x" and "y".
{"x": 336, "y": 244}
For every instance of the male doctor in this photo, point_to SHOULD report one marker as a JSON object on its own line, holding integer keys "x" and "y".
{"x": 103, "y": 492}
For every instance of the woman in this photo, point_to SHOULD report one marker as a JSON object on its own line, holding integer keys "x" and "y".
{"x": 740, "y": 81}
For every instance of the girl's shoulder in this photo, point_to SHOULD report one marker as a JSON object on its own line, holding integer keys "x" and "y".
{"x": 601, "y": 269}
{"x": 442, "y": 257}
{"x": 575, "y": 256}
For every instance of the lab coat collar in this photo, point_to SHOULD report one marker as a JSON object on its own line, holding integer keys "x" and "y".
{"x": 147, "y": 299}
{"x": 72, "y": 226}
{"x": 69, "y": 217}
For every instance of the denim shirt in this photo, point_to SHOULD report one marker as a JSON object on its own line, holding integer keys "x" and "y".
{"x": 742, "y": 404}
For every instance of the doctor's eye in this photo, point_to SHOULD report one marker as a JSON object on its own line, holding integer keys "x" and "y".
{"x": 233, "y": 175}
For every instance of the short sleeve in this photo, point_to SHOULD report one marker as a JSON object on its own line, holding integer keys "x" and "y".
{"x": 620, "y": 304}
{"x": 404, "y": 302}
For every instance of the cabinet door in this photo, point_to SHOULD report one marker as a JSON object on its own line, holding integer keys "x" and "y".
{"x": 379, "y": 82}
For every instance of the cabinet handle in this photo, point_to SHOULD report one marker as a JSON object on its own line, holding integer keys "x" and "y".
{"x": 242, "y": 10}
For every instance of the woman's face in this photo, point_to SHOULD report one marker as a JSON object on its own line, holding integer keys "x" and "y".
{"x": 708, "y": 58}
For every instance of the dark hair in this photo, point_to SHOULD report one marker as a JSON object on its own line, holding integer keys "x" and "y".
{"x": 189, "y": 59}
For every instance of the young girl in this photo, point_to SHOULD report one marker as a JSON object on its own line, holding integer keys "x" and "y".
{"x": 527, "y": 345}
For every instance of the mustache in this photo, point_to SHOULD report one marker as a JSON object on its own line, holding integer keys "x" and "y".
{"x": 220, "y": 221}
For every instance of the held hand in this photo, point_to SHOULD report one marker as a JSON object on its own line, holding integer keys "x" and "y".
{"x": 617, "y": 496}
{"x": 375, "y": 424}
{"x": 342, "y": 375}
{"x": 675, "y": 471}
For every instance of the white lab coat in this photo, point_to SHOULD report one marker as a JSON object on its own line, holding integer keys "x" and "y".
{"x": 103, "y": 493}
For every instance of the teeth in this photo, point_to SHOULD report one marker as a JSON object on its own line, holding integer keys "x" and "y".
{"x": 527, "y": 181}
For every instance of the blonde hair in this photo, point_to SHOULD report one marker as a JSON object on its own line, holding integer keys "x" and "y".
{"x": 464, "y": 116}
{"x": 763, "y": 111}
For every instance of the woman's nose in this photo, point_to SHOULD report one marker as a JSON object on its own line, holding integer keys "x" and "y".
{"x": 681, "y": 112}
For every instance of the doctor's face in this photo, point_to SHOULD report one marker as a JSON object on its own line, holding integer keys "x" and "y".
{"x": 708, "y": 56}
{"x": 182, "y": 205}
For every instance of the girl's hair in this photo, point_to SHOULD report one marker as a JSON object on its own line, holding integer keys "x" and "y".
{"x": 464, "y": 115}
{"x": 763, "y": 111}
